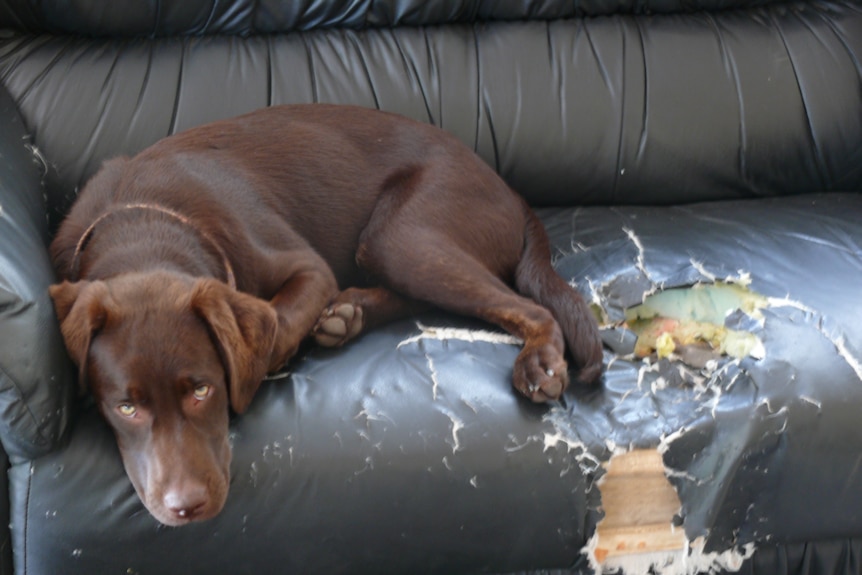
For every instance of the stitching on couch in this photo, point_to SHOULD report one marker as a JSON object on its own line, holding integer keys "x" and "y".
{"x": 207, "y": 25}
{"x": 732, "y": 70}
{"x": 479, "y": 80}
{"x": 410, "y": 68}
{"x": 645, "y": 115}
{"x": 622, "y": 116}
{"x": 312, "y": 76}
{"x": 269, "y": 82}
{"x": 842, "y": 40}
{"x": 819, "y": 161}
{"x": 175, "y": 112}
{"x": 351, "y": 38}
{"x": 603, "y": 70}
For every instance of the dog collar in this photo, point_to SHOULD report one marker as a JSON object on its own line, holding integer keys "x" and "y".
{"x": 88, "y": 235}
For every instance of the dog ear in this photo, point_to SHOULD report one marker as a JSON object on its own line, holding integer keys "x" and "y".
{"x": 82, "y": 308}
{"x": 244, "y": 328}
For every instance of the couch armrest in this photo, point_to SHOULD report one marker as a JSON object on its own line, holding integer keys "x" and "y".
{"x": 36, "y": 379}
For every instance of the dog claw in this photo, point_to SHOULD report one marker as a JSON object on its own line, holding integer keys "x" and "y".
{"x": 534, "y": 377}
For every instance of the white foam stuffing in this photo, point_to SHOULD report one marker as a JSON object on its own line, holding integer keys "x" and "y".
{"x": 471, "y": 335}
{"x": 692, "y": 560}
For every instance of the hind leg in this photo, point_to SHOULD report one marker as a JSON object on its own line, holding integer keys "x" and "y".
{"x": 452, "y": 234}
{"x": 540, "y": 371}
{"x": 441, "y": 274}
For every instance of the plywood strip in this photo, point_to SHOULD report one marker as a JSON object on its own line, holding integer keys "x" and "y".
{"x": 639, "y": 504}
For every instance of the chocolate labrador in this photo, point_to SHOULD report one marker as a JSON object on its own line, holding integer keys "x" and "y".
{"x": 199, "y": 265}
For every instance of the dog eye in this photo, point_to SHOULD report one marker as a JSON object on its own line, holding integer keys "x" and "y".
{"x": 201, "y": 392}
{"x": 127, "y": 409}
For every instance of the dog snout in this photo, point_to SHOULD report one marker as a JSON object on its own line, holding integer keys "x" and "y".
{"x": 187, "y": 502}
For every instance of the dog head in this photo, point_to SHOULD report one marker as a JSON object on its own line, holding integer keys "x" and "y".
{"x": 165, "y": 356}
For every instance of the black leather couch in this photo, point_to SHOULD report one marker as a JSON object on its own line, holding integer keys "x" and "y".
{"x": 665, "y": 143}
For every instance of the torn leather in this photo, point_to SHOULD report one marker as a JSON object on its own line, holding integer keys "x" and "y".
{"x": 749, "y": 443}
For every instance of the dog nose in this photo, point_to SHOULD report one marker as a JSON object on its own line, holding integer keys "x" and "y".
{"x": 186, "y": 502}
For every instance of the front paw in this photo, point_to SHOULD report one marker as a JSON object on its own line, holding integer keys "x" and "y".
{"x": 338, "y": 324}
{"x": 541, "y": 373}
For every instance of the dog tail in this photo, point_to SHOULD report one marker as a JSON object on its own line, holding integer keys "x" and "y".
{"x": 536, "y": 278}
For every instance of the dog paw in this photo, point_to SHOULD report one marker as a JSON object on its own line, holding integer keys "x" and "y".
{"x": 541, "y": 373}
{"x": 338, "y": 324}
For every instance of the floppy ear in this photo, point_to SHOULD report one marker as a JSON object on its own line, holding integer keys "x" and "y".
{"x": 82, "y": 308}
{"x": 244, "y": 328}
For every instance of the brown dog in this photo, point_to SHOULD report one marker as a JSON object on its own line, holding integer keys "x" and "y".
{"x": 201, "y": 264}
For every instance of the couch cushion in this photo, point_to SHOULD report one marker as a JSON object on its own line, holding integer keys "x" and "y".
{"x": 407, "y": 451}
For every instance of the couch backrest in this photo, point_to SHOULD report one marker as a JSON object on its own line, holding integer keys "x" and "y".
{"x": 591, "y": 102}
{"x": 144, "y": 18}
